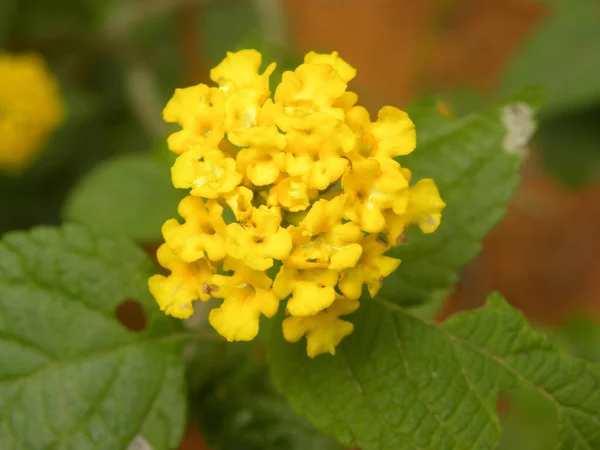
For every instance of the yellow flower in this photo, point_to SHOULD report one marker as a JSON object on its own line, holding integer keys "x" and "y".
{"x": 260, "y": 165}
{"x": 335, "y": 250}
{"x": 312, "y": 290}
{"x": 323, "y": 241}
{"x": 203, "y": 233}
{"x": 259, "y": 240}
{"x": 374, "y": 186}
{"x": 239, "y": 70}
{"x": 343, "y": 69}
{"x": 267, "y": 136}
{"x": 359, "y": 121}
{"x": 346, "y": 101}
{"x": 425, "y": 205}
{"x": 242, "y": 110}
{"x": 187, "y": 283}
{"x": 424, "y": 209}
{"x": 303, "y": 186}
{"x": 393, "y": 134}
{"x": 292, "y": 193}
{"x": 310, "y": 88}
{"x": 207, "y": 172}
{"x": 371, "y": 269}
{"x": 246, "y": 295}
{"x": 240, "y": 202}
{"x": 200, "y": 111}
{"x": 316, "y": 154}
{"x": 30, "y": 108}
{"x": 325, "y": 330}
{"x": 262, "y": 160}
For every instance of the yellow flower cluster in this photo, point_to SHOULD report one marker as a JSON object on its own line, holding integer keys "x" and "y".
{"x": 30, "y": 108}
{"x": 313, "y": 194}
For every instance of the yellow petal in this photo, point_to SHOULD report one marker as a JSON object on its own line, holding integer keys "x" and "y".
{"x": 346, "y": 257}
{"x": 425, "y": 205}
{"x": 395, "y": 133}
{"x": 263, "y": 173}
{"x": 323, "y": 331}
{"x": 344, "y": 70}
{"x": 237, "y": 319}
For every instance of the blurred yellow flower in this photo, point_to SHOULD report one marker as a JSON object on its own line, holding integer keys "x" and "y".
{"x": 30, "y": 108}
{"x": 302, "y": 185}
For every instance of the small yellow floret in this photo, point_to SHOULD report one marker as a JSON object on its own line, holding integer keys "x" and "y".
{"x": 200, "y": 111}
{"x": 259, "y": 240}
{"x": 203, "y": 233}
{"x": 246, "y": 295}
{"x": 312, "y": 290}
{"x": 371, "y": 269}
{"x": 208, "y": 173}
{"x": 324, "y": 330}
{"x": 187, "y": 283}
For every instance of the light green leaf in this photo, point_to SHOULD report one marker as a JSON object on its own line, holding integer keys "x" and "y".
{"x": 400, "y": 382}
{"x": 476, "y": 176}
{"x": 563, "y": 55}
{"x": 130, "y": 195}
{"x": 581, "y": 336}
{"x": 73, "y": 377}
{"x": 530, "y": 422}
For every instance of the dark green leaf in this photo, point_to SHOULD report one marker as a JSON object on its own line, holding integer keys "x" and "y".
{"x": 476, "y": 175}
{"x": 570, "y": 147}
{"x": 400, "y": 382}
{"x": 72, "y": 376}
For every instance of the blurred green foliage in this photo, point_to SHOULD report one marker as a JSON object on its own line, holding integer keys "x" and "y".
{"x": 563, "y": 56}
{"x": 130, "y": 195}
{"x": 237, "y": 407}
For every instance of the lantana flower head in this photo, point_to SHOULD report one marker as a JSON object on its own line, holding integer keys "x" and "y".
{"x": 30, "y": 108}
{"x": 294, "y": 199}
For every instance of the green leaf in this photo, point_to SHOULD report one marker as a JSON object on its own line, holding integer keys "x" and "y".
{"x": 73, "y": 377}
{"x": 563, "y": 54}
{"x": 400, "y": 382}
{"x": 530, "y": 422}
{"x": 570, "y": 147}
{"x": 129, "y": 195}
{"x": 476, "y": 177}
